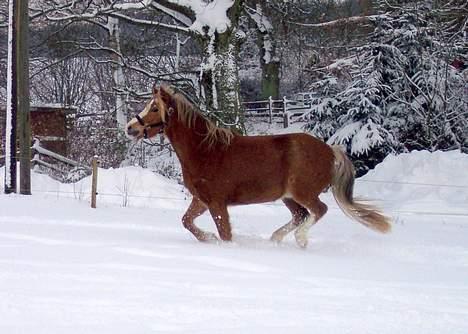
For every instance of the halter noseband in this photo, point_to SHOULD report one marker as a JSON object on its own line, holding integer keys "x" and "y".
{"x": 145, "y": 126}
{"x": 149, "y": 126}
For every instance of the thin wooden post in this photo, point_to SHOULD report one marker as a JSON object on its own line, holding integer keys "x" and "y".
{"x": 24, "y": 127}
{"x": 94, "y": 166}
{"x": 270, "y": 108}
{"x": 285, "y": 113}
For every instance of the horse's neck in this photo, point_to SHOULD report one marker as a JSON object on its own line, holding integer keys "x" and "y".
{"x": 188, "y": 142}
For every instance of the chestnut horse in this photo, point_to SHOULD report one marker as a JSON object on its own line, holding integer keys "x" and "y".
{"x": 221, "y": 168}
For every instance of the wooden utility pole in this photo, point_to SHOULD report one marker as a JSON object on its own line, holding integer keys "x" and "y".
{"x": 22, "y": 61}
{"x": 10, "y": 126}
{"x": 17, "y": 114}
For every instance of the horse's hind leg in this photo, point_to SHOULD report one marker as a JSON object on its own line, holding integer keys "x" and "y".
{"x": 299, "y": 214}
{"x": 317, "y": 209}
{"x": 196, "y": 209}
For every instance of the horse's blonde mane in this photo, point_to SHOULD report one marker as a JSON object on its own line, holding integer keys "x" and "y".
{"x": 188, "y": 114}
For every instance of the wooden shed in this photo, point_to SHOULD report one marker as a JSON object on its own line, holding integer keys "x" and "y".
{"x": 49, "y": 123}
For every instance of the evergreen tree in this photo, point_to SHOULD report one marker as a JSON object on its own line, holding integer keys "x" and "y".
{"x": 404, "y": 92}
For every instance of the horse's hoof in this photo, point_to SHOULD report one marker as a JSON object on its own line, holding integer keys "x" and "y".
{"x": 301, "y": 241}
{"x": 209, "y": 237}
{"x": 301, "y": 237}
{"x": 276, "y": 237}
{"x": 302, "y": 244}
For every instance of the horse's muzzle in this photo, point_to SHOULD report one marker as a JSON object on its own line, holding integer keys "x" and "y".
{"x": 132, "y": 132}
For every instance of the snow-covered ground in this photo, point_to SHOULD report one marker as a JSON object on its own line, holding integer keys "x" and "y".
{"x": 67, "y": 268}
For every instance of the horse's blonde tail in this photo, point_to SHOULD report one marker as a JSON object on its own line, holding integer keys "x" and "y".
{"x": 342, "y": 189}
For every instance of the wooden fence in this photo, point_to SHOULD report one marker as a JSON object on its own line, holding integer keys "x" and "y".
{"x": 56, "y": 165}
{"x": 272, "y": 109}
{"x": 64, "y": 169}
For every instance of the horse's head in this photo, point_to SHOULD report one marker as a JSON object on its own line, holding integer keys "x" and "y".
{"x": 152, "y": 120}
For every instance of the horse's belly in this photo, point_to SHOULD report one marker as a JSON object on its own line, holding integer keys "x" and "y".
{"x": 251, "y": 193}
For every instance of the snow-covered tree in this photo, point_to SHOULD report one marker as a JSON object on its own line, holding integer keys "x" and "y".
{"x": 213, "y": 24}
{"x": 320, "y": 120}
{"x": 363, "y": 105}
{"x": 430, "y": 95}
{"x": 404, "y": 92}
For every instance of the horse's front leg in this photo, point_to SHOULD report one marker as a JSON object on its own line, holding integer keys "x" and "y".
{"x": 196, "y": 209}
{"x": 221, "y": 218}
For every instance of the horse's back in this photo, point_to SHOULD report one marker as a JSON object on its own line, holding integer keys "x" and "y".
{"x": 281, "y": 140}
{"x": 309, "y": 163}
{"x": 293, "y": 145}
{"x": 291, "y": 158}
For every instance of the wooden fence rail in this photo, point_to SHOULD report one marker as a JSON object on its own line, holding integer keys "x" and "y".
{"x": 39, "y": 152}
{"x": 60, "y": 173}
{"x": 283, "y": 109}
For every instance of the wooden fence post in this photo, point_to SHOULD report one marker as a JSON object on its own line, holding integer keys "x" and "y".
{"x": 270, "y": 109}
{"x": 94, "y": 165}
{"x": 285, "y": 113}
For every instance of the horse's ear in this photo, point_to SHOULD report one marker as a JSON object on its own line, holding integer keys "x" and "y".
{"x": 164, "y": 94}
{"x": 155, "y": 90}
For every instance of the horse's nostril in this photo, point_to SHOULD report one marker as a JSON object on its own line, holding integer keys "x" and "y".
{"x": 131, "y": 131}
